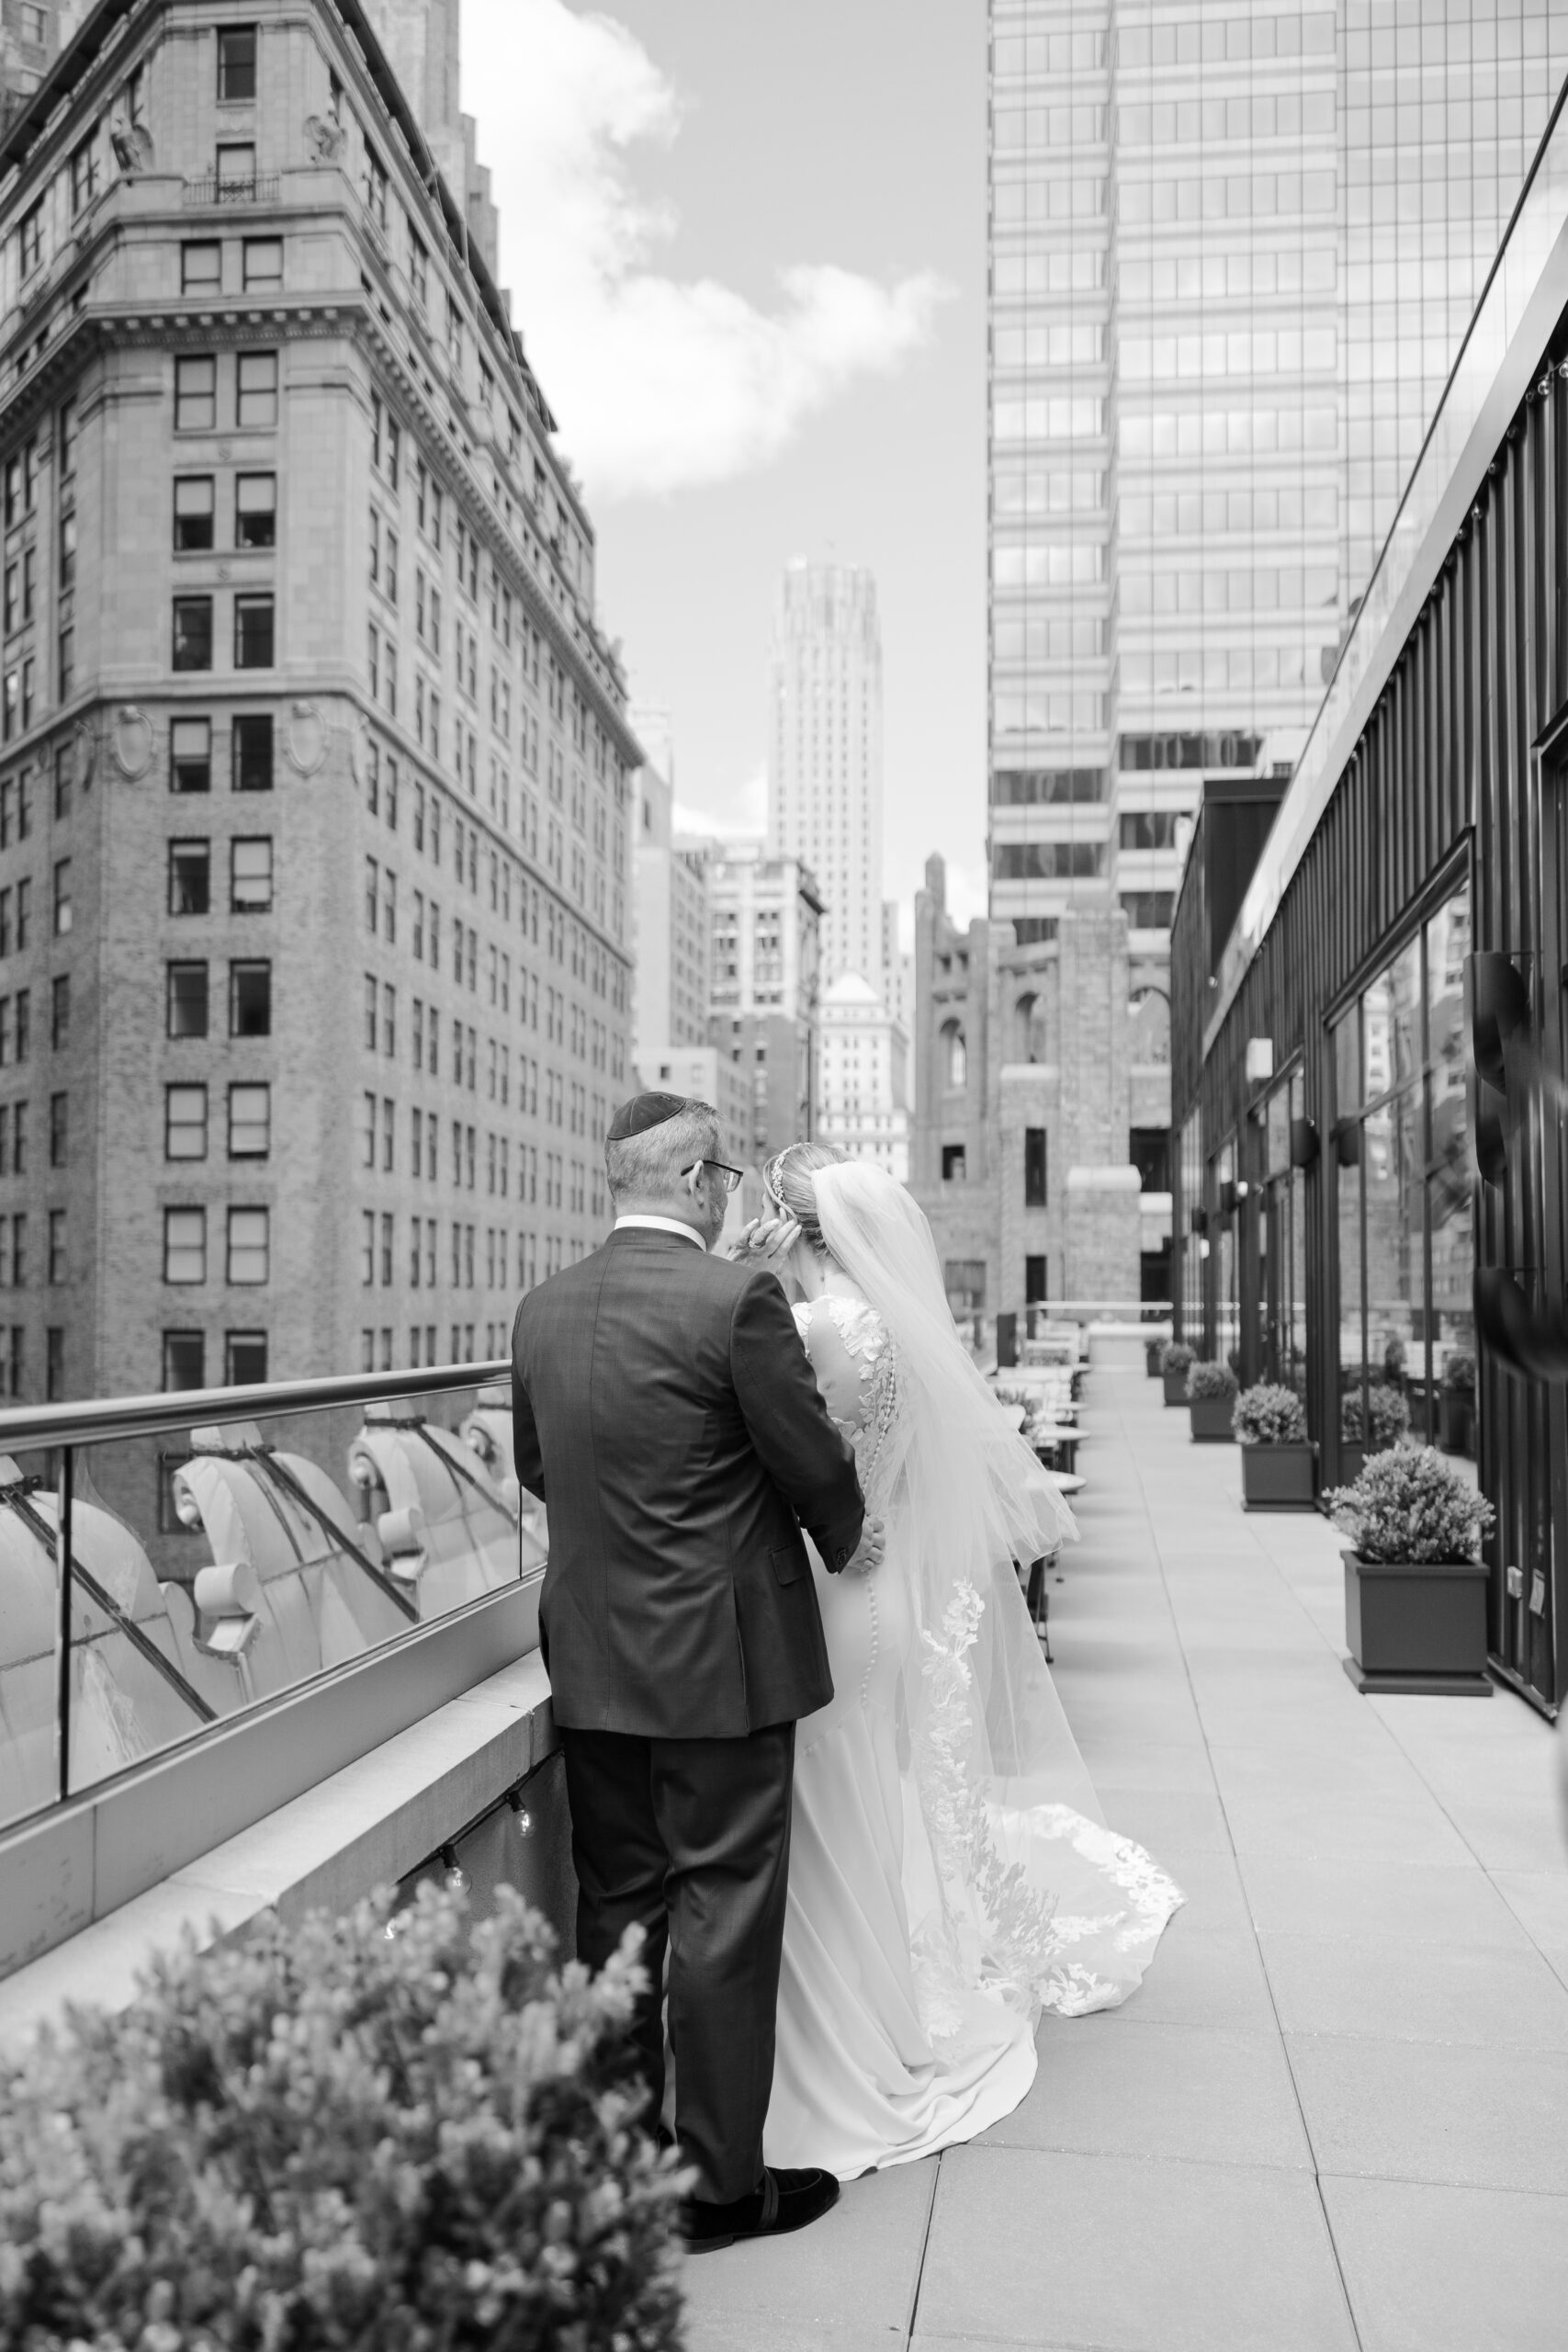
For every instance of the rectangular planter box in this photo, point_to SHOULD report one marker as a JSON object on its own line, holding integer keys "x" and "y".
{"x": 1416, "y": 1627}
{"x": 1175, "y": 1388}
{"x": 1279, "y": 1477}
{"x": 1212, "y": 1419}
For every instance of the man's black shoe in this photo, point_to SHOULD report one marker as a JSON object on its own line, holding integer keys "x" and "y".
{"x": 786, "y": 2201}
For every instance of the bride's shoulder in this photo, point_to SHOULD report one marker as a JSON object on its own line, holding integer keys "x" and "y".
{"x": 853, "y": 1321}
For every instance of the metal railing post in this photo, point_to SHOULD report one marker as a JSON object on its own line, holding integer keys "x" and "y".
{"x": 63, "y": 1626}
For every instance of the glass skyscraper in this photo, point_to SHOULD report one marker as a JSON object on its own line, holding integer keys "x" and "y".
{"x": 1233, "y": 251}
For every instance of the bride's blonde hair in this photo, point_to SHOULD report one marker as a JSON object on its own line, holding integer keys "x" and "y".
{"x": 786, "y": 1179}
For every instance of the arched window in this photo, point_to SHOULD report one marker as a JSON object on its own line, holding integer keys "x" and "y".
{"x": 1148, "y": 1018}
{"x": 1028, "y": 1029}
{"x": 955, "y": 1055}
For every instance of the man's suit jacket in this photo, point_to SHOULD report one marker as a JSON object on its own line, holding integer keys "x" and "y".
{"x": 664, "y": 1409}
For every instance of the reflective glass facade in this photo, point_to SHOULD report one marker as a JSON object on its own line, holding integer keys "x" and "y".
{"x": 1234, "y": 250}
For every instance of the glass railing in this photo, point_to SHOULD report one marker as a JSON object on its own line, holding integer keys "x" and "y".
{"x": 167, "y": 1562}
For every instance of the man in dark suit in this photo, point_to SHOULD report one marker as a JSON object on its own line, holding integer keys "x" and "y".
{"x": 665, "y": 1411}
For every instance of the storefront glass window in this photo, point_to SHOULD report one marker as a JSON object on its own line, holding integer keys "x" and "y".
{"x": 1407, "y": 1338}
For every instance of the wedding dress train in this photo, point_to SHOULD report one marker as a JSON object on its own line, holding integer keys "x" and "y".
{"x": 950, "y": 1873}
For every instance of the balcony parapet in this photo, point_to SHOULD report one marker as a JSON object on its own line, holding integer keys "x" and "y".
{"x": 209, "y": 191}
{"x": 211, "y": 1599}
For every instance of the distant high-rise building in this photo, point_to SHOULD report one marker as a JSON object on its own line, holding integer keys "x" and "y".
{"x": 673, "y": 925}
{"x": 862, "y": 1087}
{"x": 421, "y": 39}
{"x": 31, "y": 33}
{"x": 825, "y": 753}
{"x": 315, "y": 940}
{"x": 765, "y": 981}
{"x": 1233, "y": 251}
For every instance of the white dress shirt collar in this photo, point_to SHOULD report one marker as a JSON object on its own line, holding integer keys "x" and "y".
{"x": 660, "y": 1225}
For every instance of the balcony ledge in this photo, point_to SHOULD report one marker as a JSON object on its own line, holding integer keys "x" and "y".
{"x": 368, "y": 1824}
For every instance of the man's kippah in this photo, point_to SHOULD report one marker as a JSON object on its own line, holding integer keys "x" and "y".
{"x": 644, "y": 1110}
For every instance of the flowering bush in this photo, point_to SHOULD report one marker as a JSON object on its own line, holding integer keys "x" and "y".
{"x": 1388, "y": 1412}
{"x": 1176, "y": 1356}
{"x": 1270, "y": 1415}
{"x": 1409, "y": 1504}
{"x": 337, "y": 2136}
{"x": 1209, "y": 1380}
{"x": 1459, "y": 1373}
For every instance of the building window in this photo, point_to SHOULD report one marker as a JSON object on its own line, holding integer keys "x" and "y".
{"x": 62, "y": 897}
{"x": 65, "y": 664}
{"x": 187, "y": 999}
{"x": 190, "y": 878}
{"x": 250, "y": 999}
{"x": 1035, "y": 1291}
{"x": 31, "y": 237}
{"x": 59, "y": 1127}
{"x": 190, "y": 755}
{"x": 249, "y": 1247}
{"x": 263, "y": 262}
{"x": 250, "y": 876}
{"x": 193, "y": 632}
{"x": 251, "y": 753}
{"x": 954, "y": 1163}
{"x": 1148, "y": 909}
{"x": 67, "y": 552}
{"x": 185, "y": 1361}
{"x": 256, "y": 510}
{"x": 195, "y": 395}
{"x": 60, "y": 1012}
{"x": 201, "y": 267}
{"x": 1035, "y": 1168}
{"x": 185, "y": 1245}
{"x": 256, "y": 400}
{"x": 250, "y": 1122}
{"x": 252, "y": 633}
{"x": 56, "y": 1247}
{"x": 54, "y": 1361}
{"x": 184, "y": 1122}
{"x": 955, "y": 1056}
{"x": 84, "y": 175}
{"x": 236, "y": 169}
{"x": 237, "y": 64}
{"x": 193, "y": 507}
{"x": 244, "y": 1359}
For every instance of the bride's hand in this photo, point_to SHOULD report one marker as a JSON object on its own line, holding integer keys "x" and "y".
{"x": 867, "y": 1553}
{"x": 766, "y": 1241}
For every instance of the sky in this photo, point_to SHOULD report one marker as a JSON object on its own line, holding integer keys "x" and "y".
{"x": 746, "y": 249}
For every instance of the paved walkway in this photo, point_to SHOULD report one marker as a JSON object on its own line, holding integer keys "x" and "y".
{"x": 1336, "y": 2114}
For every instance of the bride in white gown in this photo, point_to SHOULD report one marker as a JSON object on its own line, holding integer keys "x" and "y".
{"x": 950, "y": 1873}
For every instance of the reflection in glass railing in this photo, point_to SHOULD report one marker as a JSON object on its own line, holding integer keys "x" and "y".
{"x": 214, "y": 1566}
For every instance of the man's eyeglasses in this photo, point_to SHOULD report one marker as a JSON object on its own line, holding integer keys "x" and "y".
{"x": 728, "y": 1177}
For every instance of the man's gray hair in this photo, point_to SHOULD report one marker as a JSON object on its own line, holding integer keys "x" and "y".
{"x": 648, "y": 1166}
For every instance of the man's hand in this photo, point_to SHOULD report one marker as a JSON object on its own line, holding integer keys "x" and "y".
{"x": 867, "y": 1553}
{"x": 766, "y": 1241}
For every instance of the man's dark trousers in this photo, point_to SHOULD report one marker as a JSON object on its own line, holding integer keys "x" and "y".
{"x": 690, "y": 1838}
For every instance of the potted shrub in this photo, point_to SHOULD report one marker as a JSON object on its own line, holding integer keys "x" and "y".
{"x": 1457, "y": 1404}
{"x": 1278, "y": 1464}
{"x": 1210, "y": 1400}
{"x": 358, "y": 2131}
{"x": 1154, "y": 1354}
{"x": 1390, "y": 1416}
{"x": 1414, "y": 1585}
{"x": 1176, "y": 1361}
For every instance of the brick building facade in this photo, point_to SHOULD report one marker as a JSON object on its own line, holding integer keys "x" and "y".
{"x": 1039, "y": 1143}
{"x": 314, "y": 917}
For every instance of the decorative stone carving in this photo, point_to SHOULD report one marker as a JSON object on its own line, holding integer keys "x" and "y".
{"x": 327, "y": 140}
{"x": 132, "y": 742}
{"x": 359, "y": 750}
{"x": 306, "y": 738}
{"x": 133, "y": 148}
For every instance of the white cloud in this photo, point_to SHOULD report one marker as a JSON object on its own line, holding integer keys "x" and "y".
{"x": 660, "y": 383}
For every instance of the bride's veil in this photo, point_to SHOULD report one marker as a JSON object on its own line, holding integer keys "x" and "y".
{"x": 969, "y": 1499}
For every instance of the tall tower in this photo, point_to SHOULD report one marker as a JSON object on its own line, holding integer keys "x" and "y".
{"x": 1233, "y": 251}
{"x": 825, "y": 753}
